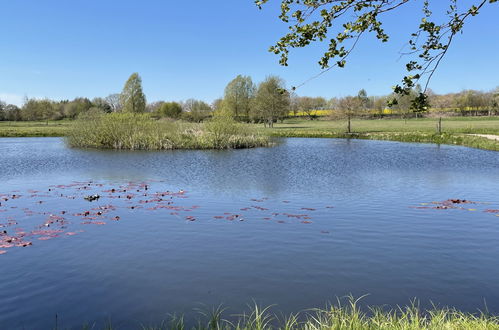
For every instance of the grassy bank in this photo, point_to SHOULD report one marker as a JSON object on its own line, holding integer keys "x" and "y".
{"x": 34, "y": 128}
{"x": 417, "y": 137}
{"x": 140, "y": 132}
{"x": 455, "y": 130}
{"x": 336, "y": 317}
{"x": 475, "y": 125}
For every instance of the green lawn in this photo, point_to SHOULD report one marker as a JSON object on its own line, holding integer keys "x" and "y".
{"x": 488, "y": 125}
{"x": 34, "y": 128}
{"x": 455, "y": 130}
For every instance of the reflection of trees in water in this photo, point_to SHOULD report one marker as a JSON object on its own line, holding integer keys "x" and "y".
{"x": 337, "y": 168}
{"x": 232, "y": 172}
{"x": 262, "y": 170}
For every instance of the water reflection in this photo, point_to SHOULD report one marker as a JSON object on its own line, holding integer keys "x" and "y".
{"x": 152, "y": 263}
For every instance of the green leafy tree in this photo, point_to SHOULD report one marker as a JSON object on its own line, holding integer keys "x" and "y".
{"x": 132, "y": 97}
{"x": 342, "y": 23}
{"x": 272, "y": 101}
{"x": 170, "y": 110}
{"x": 34, "y": 109}
{"x": 238, "y": 97}
{"x": 76, "y": 107}
{"x": 494, "y": 101}
{"x": 218, "y": 105}
{"x": 196, "y": 110}
{"x": 3, "y": 114}
{"x": 10, "y": 112}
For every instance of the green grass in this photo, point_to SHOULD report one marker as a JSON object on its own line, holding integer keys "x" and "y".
{"x": 337, "y": 317}
{"x": 34, "y": 128}
{"x": 478, "y": 125}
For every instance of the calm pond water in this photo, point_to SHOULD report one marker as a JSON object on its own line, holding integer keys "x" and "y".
{"x": 296, "y": 225}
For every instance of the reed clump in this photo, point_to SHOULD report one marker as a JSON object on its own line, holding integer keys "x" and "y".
{"x": 128, "y": 131}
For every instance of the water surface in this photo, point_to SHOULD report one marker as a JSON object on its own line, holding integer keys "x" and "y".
{"x": 322, "y": 218}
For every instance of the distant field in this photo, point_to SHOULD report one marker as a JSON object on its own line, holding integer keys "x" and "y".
{"x": 456, "y": 131}
{"x": 33, "y": 128}
{"x": 302, "y": 127}
{"x": 484, "y": 125}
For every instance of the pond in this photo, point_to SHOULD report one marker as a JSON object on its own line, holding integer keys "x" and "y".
{"x": 296, "y": 225}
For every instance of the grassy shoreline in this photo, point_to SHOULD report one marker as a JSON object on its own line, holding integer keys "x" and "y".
{"x": 422, "y": 130}
{"x": 35, "y": 128}
{"x": 348, "y": 316}
{"x": 413, "y": 137}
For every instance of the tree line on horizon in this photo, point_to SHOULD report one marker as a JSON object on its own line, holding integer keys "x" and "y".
{"x": 245, "y": 101}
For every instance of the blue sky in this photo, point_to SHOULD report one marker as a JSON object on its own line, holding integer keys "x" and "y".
{"x": 191, "y": 49}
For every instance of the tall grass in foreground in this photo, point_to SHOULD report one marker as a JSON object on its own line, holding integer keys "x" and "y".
{"x": 126, "y": 131}
{"x": 338, "y": 317}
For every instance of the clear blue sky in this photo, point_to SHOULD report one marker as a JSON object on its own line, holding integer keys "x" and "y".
{"x": 62, "y": 49}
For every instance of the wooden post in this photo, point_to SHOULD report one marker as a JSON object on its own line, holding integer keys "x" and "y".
{"x": 439, "y": 125}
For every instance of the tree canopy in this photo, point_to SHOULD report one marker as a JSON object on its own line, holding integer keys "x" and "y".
{"x": 238, "y": 96}
{"x": 170, "y": 110}
{"x": 271, "y": 101}
{"x": 342, "y": 23}
{"x": 132, "y": 98}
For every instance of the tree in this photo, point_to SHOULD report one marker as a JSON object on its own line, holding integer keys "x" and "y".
{"x": 12, "y": 112}
{"x": 349, "y": 106}
{"x": 114, "y": 102}
{"x": 3, "y": 114}
{"x": 404, "y": 103}
{"x": 271, "y": 101}
{"x": 343, "y": 22}
{"x": 310, "y": 105}
{"x": 102, "y": 104}
{"x": 154, "y": 106}
{"x": 76, "y": 107}
{"x": 238, "y": 97}
{"x": 378, "y": 105}
{"x": 494, "y": 100}
{"x": 218, "y": 105}
{"x": 132, "y": 98}
{"x": 34, "y": 109}
{"x": 196, "y": 110}
{"x": 294, "y": 103}
{"x": 307, "y": 105}
{"x": 364, "y": 100}
{"x": 170, "y": 110}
